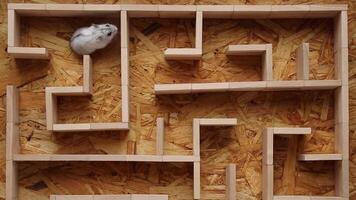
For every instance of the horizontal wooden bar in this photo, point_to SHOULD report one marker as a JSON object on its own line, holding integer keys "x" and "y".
{"x": 67, "y": 91}
{"x": 183, "y": 54}
{"x": 217, "y": 121}
{"x": 319, "y": 157}
{"x": 183, "y": 88}
{"x": 28, "y": 52}
{"x": 291, "y": 131}
{"x": 246, "y": 49}
{"x": 105, "y": 157}
{"x": 109, "y": 126}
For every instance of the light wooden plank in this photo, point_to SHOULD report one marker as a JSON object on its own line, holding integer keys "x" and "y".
{"x": 11, "y": 190}
{"x": 231, "y": 182}
{"x": 319, "y": 157}
{"x": 87, "y": 74}
{"x": 209, "y": 87}
{"x": 196, "y": 180}
{"x": 267, "y": 154}
{"x": 28, "y": 52}
{"x": 291, "y": 131}
{"x": 183, "y": 54}
{"x": 173, "y": 88}
{"x": 13, "y": 28}
{"x": 217, "y": 121}
{"x": 199, "y": 30}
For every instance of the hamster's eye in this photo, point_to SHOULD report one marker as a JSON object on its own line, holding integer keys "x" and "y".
{"x": 109, "y": 34}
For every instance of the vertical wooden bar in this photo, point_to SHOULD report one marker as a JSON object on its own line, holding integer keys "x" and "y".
{"x": 125, "y": 98}
{"x": 12, "y": 120}
{"x": 196, "y": 137}
{"x": 11, "y": 191}
{"x": 124, "y": 27}
{"x": 12, "y": 141}
{"x": 341, "y": 105}
{"x": 267, "y": 64}
{"x": 199, "y": 30}
{"x": 231, "y": 182}
{"x": 51, "y": 109}
{"x": 87, "y": 74}
{"x": 267, "y": 158}
{"x": 267, "y": 182}
{"x": 302, "y": 59}
{"x": 160, "y": 136}
{"x": 13, "y": 34}
{"x": 196, "y": 180}
{"x": 12, "y": 104}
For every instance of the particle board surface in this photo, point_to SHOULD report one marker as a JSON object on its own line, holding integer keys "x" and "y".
{"x": 219, "y": 146}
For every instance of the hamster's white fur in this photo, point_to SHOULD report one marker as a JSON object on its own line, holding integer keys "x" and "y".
{"x": 88, "y": 39}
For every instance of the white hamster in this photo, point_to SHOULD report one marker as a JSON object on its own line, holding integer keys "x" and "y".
{"x": 88, "y": 39}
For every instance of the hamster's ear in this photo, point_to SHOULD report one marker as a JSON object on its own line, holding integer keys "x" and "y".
{"x": 95, "y": 25}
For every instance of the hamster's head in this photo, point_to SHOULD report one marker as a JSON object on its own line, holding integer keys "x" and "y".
{"x": 107, "y": 31}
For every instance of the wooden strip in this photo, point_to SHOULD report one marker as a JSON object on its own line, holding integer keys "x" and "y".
{"x": 66, "y": 91}
{"x": 196, "y": 179}
{"x": 71, "y": 127}
{"x": 342, "y": 178}
{"x": 125, "y": 66}
{"x": 285, "y": 85}
{"x": 109, "y": 126}
{"x": 231, "y": 182}
{"x": 183, "y": 54}
{"x": 28, "y": 52}
{"x": 196, "y": 137}
{"x": 51, "y": 109}
{"x": 267, "y": 182}
{"x": 124, "y": 28}
{"x": 319, "y": 157}
{"x": 248, "y": 86}
{"x": 267, "y": 155}
{"x": 12, "y": 104}
{"x": 291, "y": 131}
{"x": 209, "y": 87}
{"x": 87, "y": 74}
{"x": 160, "y": 136}
{"x": 267, "y": 64}
{"x": 199, "y": 30}
{"x": 247, "y": 49}
{"x": 125, "y": 101}
{"x": 173, "y": 88}
{"x": 12, "y": 140}
{"x": 302, "y": 58}
{"x": 217, "y": 121}
{"x": 13, "y": 24}
{"x": 341, "y": 105}
{"x": 11, "y": 191}
{"x": 321, "y": 84}
{"x": 342, "y": 139}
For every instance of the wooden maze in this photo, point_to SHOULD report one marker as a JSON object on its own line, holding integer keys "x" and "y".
{"x": 339, "y": 85}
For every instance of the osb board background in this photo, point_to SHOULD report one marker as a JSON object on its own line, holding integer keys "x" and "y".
{"x": 219, "y": 146}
